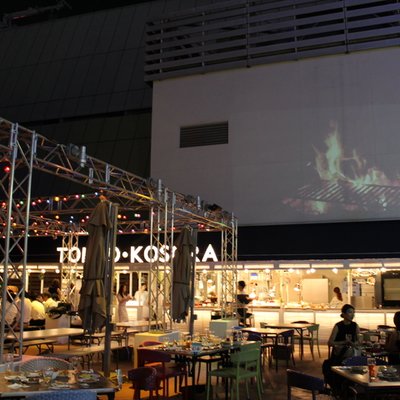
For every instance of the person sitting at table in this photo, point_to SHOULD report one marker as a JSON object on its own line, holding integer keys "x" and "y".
{"x": 392, "y": 345}
{"x": 38, "y": 312}
{"x": 242, "y": 300}
{"x": 48, "y": 301}
{"x": 11, "y": 313}
{"x": 343, "y": 341}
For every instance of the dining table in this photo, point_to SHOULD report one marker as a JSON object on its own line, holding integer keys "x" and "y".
{"x": 386, "y": 379}
{"x": 46, "y": 334}
{"x": 299, "y": 327}
{"x": 25, "y": 384}
{"x": 191, "y": 356}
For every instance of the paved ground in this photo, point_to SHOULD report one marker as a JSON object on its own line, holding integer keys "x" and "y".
{"x": 274, "y": 382}
{"x": 274, "y": 385}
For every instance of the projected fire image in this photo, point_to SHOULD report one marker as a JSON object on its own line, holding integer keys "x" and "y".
{"x": 347, "y": 181}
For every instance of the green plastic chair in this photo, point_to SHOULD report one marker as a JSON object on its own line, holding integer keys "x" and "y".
{"x": 312, "y": 336}
{"x": 245, "y": 365}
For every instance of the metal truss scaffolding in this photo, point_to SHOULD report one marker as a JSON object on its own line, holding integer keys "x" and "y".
{"x": 229, "y": 269}
{"x": 152, "y": 209}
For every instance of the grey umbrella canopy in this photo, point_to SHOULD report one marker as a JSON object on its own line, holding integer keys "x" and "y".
{"x": 183, "y": 268}
{"x": 92, "y": 304}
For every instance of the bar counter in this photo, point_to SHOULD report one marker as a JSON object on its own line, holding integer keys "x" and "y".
{"x": 326, "y": 318}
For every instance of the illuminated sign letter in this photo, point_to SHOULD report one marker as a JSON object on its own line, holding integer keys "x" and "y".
{"x": 117, "y": 254}
{"x": 164, "y": 252}
{"x": 74, "y": 250}
{"x": 147, "y": 253}
{"x": 135, "y": 254}
{"x": 62, "y": 254}
{"x": 209, "y": 253}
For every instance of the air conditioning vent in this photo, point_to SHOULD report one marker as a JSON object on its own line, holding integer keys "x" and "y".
{"x": 204, "y": 135}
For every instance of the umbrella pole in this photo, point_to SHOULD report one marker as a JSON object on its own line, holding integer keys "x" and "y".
{"x": 108, "y": 283}
{"x": 192, "y": 283}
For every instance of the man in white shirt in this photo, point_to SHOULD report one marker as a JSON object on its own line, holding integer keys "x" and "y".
{"x": 38, "y": 312}
{"x": 27, "y": 309}
{"x": 48, "y": 301}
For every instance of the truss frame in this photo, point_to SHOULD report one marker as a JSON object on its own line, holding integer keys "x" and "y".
{"x": 156, "y": 210}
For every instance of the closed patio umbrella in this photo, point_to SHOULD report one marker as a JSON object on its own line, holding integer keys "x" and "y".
{"x": 92, "y": 304}
{"x": 183, "y": 268}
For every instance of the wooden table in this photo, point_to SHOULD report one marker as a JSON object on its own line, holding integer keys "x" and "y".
{"x": 272, "y": 333}
{"x": 102, "y": 386}
{"x": 299, "y": 328}
{"x": 379, "y": 385}
{"x": 47, "y": 334}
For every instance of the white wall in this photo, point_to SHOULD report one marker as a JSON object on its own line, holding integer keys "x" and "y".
{"x": 278, "y": 116}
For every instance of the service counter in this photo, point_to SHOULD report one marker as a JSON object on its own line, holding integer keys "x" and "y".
{"x": 326, "y": 318}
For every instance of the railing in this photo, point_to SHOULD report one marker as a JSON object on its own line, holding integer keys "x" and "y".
{"x": 243, "y": 33}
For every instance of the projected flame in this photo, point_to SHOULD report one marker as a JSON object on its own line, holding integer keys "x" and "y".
{"x": 347, "y": 180}
{"x": 334, "y": 165}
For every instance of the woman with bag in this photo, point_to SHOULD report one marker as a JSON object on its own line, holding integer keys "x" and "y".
{"x": 344, "y": 342}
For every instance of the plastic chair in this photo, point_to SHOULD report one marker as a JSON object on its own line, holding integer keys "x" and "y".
{"x": 143, "y": 378}
{"x": 284, "y": 349}
{"x": 150, "y": 343}
{"x": 208, "y": 360}
{"x": 39, "y": 363}
{"x": 245, "y": 365}
{"x": 306, "y": 382}
{"x": 312, "y": 337}
{"x": 66, "y": 395}
{"x": 165, "y": 369}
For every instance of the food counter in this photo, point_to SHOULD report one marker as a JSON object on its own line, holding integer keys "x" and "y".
{"x": 326, "y": 318}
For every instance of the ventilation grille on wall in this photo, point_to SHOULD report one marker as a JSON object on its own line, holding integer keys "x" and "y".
{"x": 204, "y": 135}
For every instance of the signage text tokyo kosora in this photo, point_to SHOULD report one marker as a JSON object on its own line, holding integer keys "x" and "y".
{"x": 137, "y": 254}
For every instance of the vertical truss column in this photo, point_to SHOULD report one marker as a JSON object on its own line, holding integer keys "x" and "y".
{"x": 16, "y": 184}
{"x": 229, "y": 269}
{"x": 166, "y": 277}
{"x": 161, "y": 243}
{"x": 70, "y": 242}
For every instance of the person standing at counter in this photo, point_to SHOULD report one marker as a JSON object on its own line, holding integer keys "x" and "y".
{"x": 142, "y": 297}
{"x": 242, "y": 300}
{"x": 123, "y": 296}
{"x": 337, "y": 299}
{"x": 392, "y": 345}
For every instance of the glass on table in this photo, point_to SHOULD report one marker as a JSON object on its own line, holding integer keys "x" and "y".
{"x": 349, "y": 337}
{"x": 47, "y": 375}
{"x": 76, "y": 363}
{"x": 371, "y": 362}
{"x": 8, "y": 360}
{"x": 245, "y": 336}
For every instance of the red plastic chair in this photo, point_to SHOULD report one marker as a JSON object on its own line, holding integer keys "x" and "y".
{"x": 143, "y": 378}
{"x": 150, "y": 343}
{"x": 165, "y": 370}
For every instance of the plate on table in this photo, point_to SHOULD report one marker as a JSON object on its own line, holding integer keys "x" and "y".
{"x": 12, "y": 378}
{"x": 59, "y": 386}
{"x": 33, "y": 374}
{"x": 88, "y": 378}
{"x": 358, "y": 370}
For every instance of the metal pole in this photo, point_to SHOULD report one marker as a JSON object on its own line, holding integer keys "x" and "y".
{"x": 108, "y": 283}
{"x": 192, "y": 283}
